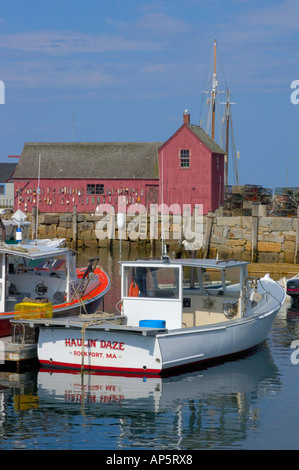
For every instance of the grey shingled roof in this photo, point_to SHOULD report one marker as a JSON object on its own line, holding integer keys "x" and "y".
{"x": 134, "y": 160}
{"x": 206, "y": 139}
{"x": 6, "y": 169}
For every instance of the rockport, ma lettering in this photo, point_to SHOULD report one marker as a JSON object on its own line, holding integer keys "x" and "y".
{"x": 92, "y": 347}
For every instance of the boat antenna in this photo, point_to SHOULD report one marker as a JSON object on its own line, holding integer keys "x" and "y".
{"x": 37, "y": 194}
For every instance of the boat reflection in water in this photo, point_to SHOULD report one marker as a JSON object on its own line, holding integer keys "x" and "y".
{"x": 223, "y": 397}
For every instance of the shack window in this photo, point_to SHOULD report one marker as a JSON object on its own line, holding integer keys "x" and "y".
{"x": 151, "y": 282}
{"x": 95, "y": 189}
{"x": 185, "y": 158}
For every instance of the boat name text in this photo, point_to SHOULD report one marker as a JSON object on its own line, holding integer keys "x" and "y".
{"x": 94, "y": 343}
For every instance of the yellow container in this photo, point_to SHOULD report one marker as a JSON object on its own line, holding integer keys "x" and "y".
{"x": 25, "y": 402}
{"x": 33, "y": 310}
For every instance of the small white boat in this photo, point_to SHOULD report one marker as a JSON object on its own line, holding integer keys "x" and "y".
{"x": 16, "y": 231}
{"x": 170, "y": 318}
{"x": 9, "y": 233}
{"x": 41, "y": 279}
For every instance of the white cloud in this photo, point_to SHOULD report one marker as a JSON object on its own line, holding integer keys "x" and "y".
{"x": 59, "y": 74}
{"x": 282, "y": 17}
{"x": 162, "y": 24}
{"x": 67, "y": 42}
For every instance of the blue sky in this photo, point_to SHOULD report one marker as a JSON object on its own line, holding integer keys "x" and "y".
{"x": 125, "y": 70}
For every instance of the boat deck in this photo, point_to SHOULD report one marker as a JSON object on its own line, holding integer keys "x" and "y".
{"x": 112, "y": 323}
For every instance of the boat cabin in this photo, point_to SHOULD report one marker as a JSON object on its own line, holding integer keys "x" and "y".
{"x": 36, "y": 273}
{"x": 183, "y": 293}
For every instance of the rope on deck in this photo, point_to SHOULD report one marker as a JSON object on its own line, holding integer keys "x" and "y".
{"x": 96, "y": 319}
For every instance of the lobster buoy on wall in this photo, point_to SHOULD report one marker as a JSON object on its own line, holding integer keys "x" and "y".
{"x": 19, "y": 235}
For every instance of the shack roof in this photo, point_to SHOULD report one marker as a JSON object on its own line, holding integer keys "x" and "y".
{"x": 121, "y": 160}
{"x": 206, "y": 139}
{"x": 6, "y": 170}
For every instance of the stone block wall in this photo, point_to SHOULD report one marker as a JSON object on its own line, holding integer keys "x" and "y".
{"x": 275, "y": 239}
{"x": 250, "y": 238}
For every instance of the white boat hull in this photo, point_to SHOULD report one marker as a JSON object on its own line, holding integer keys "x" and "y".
{"x": 212, "y": 343}
{"x": 142, "y": 350}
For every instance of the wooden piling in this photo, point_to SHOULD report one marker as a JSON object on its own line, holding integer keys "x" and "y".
{"x": 75, "y": 228}
{"x": 207, "y": 235}
{"x": 111, "y": 232}
{"x": 254, "y": 229}
{"x": 33, "y": 223}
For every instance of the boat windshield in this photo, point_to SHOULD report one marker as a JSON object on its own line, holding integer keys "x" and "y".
{"x": 155, "y": 282}
{"x": 50, "y": 266}
{"x": 210, "y": 278}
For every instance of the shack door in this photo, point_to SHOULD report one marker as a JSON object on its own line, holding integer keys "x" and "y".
{"x": 151, "y": 195}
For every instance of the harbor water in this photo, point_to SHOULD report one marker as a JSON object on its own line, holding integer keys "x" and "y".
{"x": 250, "y": 403}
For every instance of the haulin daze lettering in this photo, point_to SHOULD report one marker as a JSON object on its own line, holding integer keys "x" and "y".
{"x": 92, "y": 343}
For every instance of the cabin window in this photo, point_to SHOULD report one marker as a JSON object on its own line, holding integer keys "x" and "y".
{"x": 209, "y": 279}
{"x": 185, "y": 158}
{"x": 151, "y": 282}
{"x": 194, "y": 278}
{"x": 95, "y": 189}
{"x": 2, "y": 189}
{"x": 19, "y": 265}
{"x": 50, "y": 266}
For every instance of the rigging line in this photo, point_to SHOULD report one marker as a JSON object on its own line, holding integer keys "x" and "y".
{"x": 205, "y": 106}
{"x": 234, "y": 150}
{"x": 201, "y": 111}
{"x": 208, "y": 119}
{"x": 219, "y": 122}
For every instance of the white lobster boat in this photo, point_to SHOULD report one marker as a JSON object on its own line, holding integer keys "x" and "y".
{"x": 170, "y": 318}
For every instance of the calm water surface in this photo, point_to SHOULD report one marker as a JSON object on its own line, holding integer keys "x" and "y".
{"x": 249, "y": 403}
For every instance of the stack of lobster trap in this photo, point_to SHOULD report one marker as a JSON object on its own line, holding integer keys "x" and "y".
{"x": 238, "y": 200}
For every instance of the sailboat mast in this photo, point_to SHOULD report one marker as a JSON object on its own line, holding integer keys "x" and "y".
{"x": 226, "y": 132}
{"x": 214, "y": 91}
